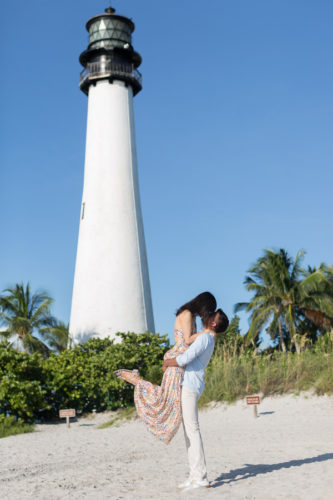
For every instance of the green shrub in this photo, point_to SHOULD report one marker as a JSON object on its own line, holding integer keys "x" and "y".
{"x": 10, "y": 426}
{"x": 22, "y": 384}
{"x": 154, "y": 374}
{"x": 82, "y": 378}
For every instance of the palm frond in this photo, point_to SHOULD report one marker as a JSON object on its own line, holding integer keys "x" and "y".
{"x": 240, "y": 306}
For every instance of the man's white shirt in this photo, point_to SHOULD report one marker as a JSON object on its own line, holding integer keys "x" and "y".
{"x": 196, "y": 358}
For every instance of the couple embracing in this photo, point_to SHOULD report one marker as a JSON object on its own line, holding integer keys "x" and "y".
{"x": 163, "y": 408}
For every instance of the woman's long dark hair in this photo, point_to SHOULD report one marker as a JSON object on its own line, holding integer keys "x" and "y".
{"x": 202, "y": 304}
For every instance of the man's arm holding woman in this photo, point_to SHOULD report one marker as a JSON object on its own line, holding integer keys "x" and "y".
{"x": 192, "y": 352}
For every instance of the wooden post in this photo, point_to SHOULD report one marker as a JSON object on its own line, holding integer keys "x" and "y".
{"x": 67, "y": 414}
{"x": 253, "y": 400}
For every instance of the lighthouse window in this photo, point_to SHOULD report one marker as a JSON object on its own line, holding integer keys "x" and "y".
{"x": 82, "y": 214}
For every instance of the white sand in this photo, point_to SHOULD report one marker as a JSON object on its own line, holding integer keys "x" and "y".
{"x": 286, "y": 453}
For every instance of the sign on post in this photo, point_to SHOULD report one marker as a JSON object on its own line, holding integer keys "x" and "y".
{"x": 253, "y": 400}
{"x": 67, "y": 414}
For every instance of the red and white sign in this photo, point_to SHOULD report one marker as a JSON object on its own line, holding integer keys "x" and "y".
{"x": 253, "y": 400}
{"x": 66, "y": 413}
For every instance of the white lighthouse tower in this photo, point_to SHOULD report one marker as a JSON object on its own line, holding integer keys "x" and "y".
{"x": 111, "y": 290}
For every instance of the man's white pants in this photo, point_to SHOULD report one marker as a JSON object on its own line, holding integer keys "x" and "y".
{"x": 193, "y": 441}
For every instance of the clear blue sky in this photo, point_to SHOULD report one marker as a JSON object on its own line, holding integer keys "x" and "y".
{"x": 234, "y": 137}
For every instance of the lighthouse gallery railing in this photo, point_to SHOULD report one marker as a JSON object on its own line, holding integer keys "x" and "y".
{"x": 111, "y": 69}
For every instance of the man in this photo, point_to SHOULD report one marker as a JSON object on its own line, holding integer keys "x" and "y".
{"x": 195, "y": 360}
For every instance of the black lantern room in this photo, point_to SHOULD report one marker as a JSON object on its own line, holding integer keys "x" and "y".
{"x": 110, "y": 55}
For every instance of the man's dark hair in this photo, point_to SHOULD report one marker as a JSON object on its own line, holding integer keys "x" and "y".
{"x": 219, "y": 317}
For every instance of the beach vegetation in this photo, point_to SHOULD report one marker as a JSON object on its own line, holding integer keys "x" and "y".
{"x": 10, "y": 426}
{"x": 24, "y": 314}
{"x": 235, "y": 372}
{"x": 36, "y": 388}
{"x": 27, "y": 321}
{"x": 42, "y": 371}
{"x": 293, "y": 304}
{"x": 121, "y": 416}
{"x": 57, "y": 337}
{"x": 22, "y": 384}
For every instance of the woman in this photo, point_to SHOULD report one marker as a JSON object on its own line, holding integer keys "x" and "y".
{"x": 159, "y": 406}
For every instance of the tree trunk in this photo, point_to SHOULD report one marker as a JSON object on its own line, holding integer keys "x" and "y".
{"x": 282, "y": 343}
{"x": 21, "y": 333}
{"x": 294, "y": 333}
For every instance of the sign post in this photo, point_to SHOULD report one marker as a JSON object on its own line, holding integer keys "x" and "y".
{"x": 67, "y": 413}
{"x": 253, "y": 400}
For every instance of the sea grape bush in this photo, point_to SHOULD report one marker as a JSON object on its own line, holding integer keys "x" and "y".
{"x": 22, "y": 383}
{"x": 34, "y": 388}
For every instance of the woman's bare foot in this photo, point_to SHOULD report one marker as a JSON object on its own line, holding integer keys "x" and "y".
{"x": 131, "y": 376}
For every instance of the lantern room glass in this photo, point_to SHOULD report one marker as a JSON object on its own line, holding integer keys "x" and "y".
{"x": 107, "y": 32}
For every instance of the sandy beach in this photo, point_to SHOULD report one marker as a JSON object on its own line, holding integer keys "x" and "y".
{"x": 287, "y": 452}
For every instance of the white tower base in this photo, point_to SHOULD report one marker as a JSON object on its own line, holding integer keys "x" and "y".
{"x": 111, "y": 286}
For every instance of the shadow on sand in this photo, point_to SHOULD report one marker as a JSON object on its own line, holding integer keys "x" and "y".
{"x": 254, "y": 470}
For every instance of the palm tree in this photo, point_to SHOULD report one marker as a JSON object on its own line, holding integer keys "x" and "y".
{"x": 282, "y": 299}
{"x": 268, "y": 279}
{"x": 58, "y": 337}
{"x": 318, "y": 307}
{"x": 24, "y": 314}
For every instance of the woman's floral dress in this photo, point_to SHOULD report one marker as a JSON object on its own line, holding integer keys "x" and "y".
{"x": 159, "y": 406}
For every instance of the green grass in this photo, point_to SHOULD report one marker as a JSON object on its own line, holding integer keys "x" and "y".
{"x": 125, "y": 414}
{"x": 8, "y": 426}
{"x": 278, "y": 373}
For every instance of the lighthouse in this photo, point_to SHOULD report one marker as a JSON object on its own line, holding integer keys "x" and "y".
{"x": 111, "y": 291}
